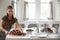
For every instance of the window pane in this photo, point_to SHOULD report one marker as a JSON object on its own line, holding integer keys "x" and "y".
{"x": 30, "y": 11}
{"x": 45, "y": 0}
{"x": 30, "y": 0}
{"x": 45, "y": 11}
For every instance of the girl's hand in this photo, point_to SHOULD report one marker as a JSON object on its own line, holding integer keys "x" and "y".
{"x": 19, "y": 30}
{"x": 6, "y": 32}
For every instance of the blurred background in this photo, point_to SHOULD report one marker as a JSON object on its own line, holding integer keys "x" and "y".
{"x": 33, "y": 12}
{"x": 32, "y": 9}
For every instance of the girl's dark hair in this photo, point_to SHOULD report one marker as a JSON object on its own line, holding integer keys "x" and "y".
{"x": 10, "y": 7}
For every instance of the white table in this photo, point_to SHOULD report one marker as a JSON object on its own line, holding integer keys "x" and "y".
{"x": 29, "y": 37}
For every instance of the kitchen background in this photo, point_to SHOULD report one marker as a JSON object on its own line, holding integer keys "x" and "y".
{"x": 32, "y": 9}
{"x": 34, "y": 13}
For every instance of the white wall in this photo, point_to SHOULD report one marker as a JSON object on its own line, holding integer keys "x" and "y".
{"x": 3, "y": 6}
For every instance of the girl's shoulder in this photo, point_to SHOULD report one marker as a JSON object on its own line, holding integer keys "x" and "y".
{"x": 14, "y": 19}
{"x": 4, "y": 18}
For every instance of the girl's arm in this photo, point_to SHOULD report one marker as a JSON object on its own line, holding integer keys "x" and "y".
{"x": 19, "y": 27}
{"x": 1, "y": 28}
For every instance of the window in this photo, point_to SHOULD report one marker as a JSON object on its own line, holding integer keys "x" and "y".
{"x": 45, "y": 9}
{"x": 30, "y": 9}
{"x": 45, "y": 0}
{"x": 30, "y": 0}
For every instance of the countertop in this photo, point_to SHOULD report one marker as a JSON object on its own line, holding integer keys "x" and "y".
{"x": 34, "y": 37}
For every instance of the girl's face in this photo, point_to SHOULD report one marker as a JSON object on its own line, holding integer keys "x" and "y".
{"x": 10, "y": 12}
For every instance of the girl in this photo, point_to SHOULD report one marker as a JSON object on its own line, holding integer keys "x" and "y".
{"x": 7, "y": 22}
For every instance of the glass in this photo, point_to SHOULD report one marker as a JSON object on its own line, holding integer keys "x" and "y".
{"x": 30, "y": 11}
{"x": 45, "y": 0}
{"x": 45, "y": 11}
{"x": 30, "y": 0}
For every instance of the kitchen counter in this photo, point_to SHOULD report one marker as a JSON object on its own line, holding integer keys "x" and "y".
{"x": 33, "y": 37}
